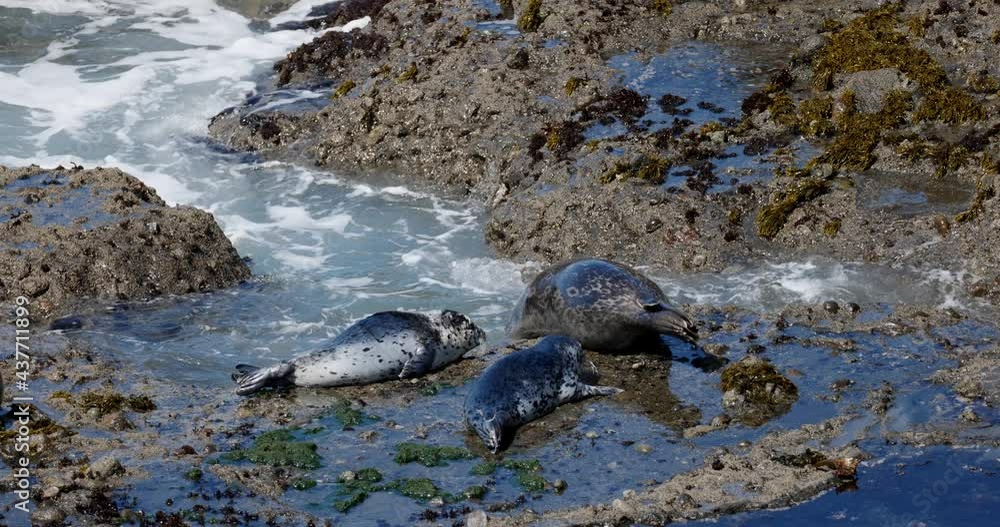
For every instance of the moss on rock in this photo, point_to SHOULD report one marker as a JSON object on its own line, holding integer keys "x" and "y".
{"x": 571, "y": 85}
{"x": 950, "y": 105}
{"x": 531, "y": 18}
{"x": 772, "y": 217}
{"x": 278, "y": 448}
{"x": 756, "y": 391}
{"x": 429, "y": 455}
{"x": 984, "y": 192}
{"x": 651, "y": 169}
{"x": 663, "y": 7}
{"x": 871, "y": 42}
{"x": 344, "y": 88}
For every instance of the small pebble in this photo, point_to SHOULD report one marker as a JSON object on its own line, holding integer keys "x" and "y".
{"x": 643, "y": 448}
{"x": 559, "y": 485}
{"x": 628, "y": 493}
{"x": 476, "y": 519}
{"x": 591, "y": 435}
{"x": 970, "y": 415}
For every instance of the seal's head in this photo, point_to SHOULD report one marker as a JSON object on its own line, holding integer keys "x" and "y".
{"x": 457, "y": 330}
{"x": 487, "y": 427}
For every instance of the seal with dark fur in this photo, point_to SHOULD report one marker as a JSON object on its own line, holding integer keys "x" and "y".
{"x": 605, "y": 305}
{"x": 383, "y": 346}
{"x": 526, "y": 385}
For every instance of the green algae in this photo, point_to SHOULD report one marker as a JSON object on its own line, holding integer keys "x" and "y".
{"x": 409, "y": 74}
{"x": 832, "y": 227}
{"x": 108, "y": 401}
{"x": 571, "y": 85}
{"x": 945, "y": 156}
{"x": 918, "y": 25}
{"x": 871, "y": 42}
{"x": 651, "y": 169}
{"x": 61, "y": 394}
{"x": 474, "y": 492}
{"x": 429, "y": 455}
{"x": 950, "y": 105}
{"x": 815, "y": 116}
{"x": 348, "y": 416}
{"x": 302, "y": 483}
{"x": 783, "y": 109}
{"x": 365, "y": 482}
{"x": 484, "y": 469}
{"x": 522, "y": 464}
{"x": 525, "y": 472}
{"x": 194, "y": 474}
{"x": 278, "y": 448}
{"x": 531, "y": 18}
{"x": 984, "y": 192}
{"x": 420, "y": 489}
{"x": 772, "y": 216}
{"x": 344, "y": 88}
{"x": 561, "y": 138}
{"x": 663, "y": 7}
{"x": 758, "y": 381}
{"x": 859, "y": 134}
{"x": 353, "y": 501}
{"x": 983, "y": 82}
{"x": 433, "y": 389}
{"x": 530, "y": 481}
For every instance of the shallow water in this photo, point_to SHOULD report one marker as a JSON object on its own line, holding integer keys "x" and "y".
{"x": 133, "y": 84}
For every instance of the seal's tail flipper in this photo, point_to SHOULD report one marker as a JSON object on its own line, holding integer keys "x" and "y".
{"x": 588, "y": 390}
{"x": 668, "y": 319}
{"x": 250, "y": 379}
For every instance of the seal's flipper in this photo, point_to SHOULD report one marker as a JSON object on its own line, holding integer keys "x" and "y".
{"x": 420, "y": 363}
{"x": 250, "y": 379}
{"x": 588, "y": 390}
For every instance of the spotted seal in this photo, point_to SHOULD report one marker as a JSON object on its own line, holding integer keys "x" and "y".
{"x": 526, "y": 385}
{"x": 383, "y": 346}
{"x": 605, "y": 305}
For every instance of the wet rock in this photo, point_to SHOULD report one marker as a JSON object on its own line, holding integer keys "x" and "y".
{"x": 560, "y": 486}
{"x": 48, "y": 515}
{"x": 518, "y": 60}
{"x": 871, "y": 87}
{"x": 106, "y": 467}
{"x": 977, "y": 376}
{"x": 476, "y": 519}
{"x": 831, "y": 307}
{"x": 755, "y": 391}
{"x": 969, "y": 415}
{"x": 87, "y": 237}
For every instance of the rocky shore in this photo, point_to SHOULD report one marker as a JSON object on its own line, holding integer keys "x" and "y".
{"x": 535, "y": 109}
{"x": 71, "y": 234}
{"x": 514, "y": 117}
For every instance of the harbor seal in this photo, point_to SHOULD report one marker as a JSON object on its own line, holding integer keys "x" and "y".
{"x": 383, "y": 346}
{"x": 604, "y": 305}
{"x": 526, "y": 385}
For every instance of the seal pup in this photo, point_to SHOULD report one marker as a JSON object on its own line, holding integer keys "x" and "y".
{"x": 383, "y": 346}
{"x": 604, "y": 305}
{"x": 526, "y": 385}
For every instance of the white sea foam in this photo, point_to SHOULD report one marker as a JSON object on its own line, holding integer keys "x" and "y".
{"x": 489, "y": 276}
{"x": 298, "y": 218}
